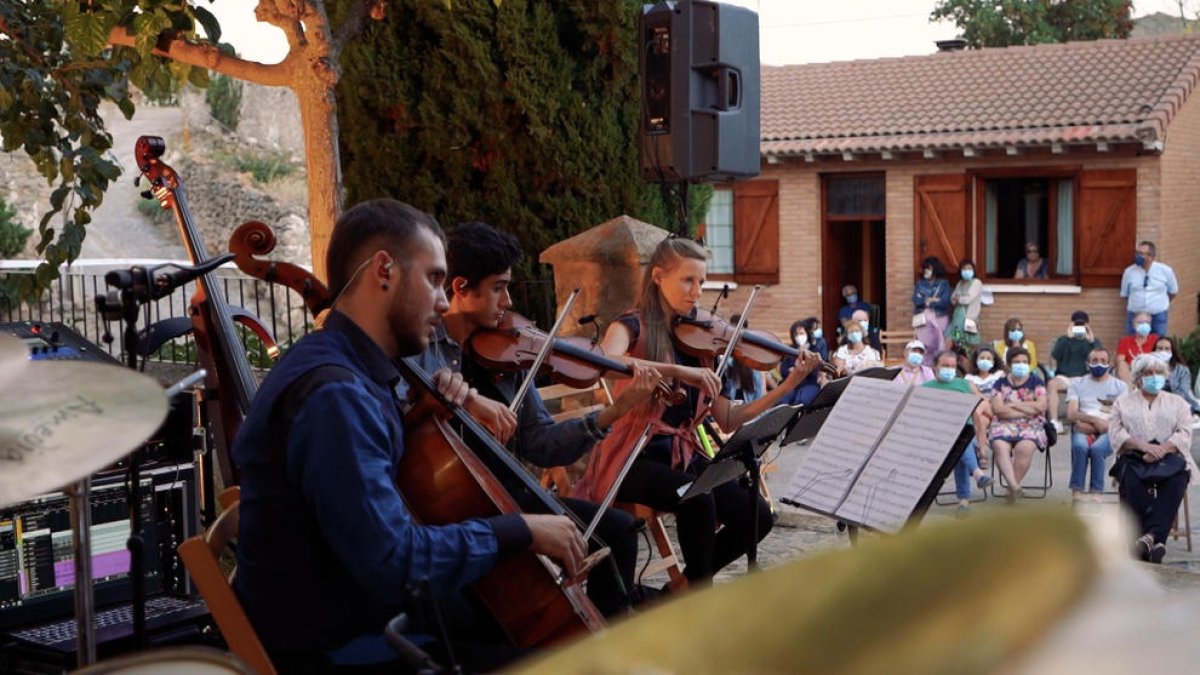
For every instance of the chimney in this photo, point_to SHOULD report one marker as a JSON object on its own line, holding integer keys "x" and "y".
{"x": 955, "y": 45}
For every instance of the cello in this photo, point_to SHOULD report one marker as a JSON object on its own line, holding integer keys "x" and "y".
{"x": 221, "y": 352}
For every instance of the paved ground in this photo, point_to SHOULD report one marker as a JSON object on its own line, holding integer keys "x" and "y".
{"x": 800, "y": 533}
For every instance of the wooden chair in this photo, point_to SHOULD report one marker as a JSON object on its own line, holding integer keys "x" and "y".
{"x": 1186, "y": 512}
{"x": 893, "y": 342}
{"x": 566, "y": 403}
{"x": 201, "y": 556}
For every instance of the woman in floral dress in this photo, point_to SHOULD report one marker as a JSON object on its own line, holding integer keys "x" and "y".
{"x": 1019, "y": 402}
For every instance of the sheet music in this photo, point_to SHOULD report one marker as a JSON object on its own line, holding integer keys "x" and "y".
{"x": 844, "y": 443}
{"x": 908, "y": 459}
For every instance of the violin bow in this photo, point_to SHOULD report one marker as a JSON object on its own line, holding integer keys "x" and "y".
{"x": 515, "y": 404}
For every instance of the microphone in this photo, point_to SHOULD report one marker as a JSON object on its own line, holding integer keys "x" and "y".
{"x": 165, "y": 282}
{"x": 720, "y": 296}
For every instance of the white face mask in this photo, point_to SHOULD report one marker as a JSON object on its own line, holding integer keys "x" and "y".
{"x": 802, "y": 340}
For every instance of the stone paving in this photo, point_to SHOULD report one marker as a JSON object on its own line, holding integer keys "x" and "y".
{"x": 800, "y": 533}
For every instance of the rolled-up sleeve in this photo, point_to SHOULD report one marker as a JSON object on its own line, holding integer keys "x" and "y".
{"x": 340, "y": 452}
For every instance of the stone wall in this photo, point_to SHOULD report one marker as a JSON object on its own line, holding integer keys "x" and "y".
{"x": 270, "y": 116}
{"x": 24, "y": 189}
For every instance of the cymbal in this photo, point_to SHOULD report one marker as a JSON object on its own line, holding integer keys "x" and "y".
{"x": 61, "y": 421}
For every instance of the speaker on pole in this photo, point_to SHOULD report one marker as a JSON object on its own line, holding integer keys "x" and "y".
{"x": 699, "y": 67}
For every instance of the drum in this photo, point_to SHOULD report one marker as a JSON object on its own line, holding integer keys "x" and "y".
{"x": 174, "y": 661}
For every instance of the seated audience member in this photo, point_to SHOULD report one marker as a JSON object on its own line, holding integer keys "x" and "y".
{"x": 1014, "y": 336}
{"x": 807, "y": 390}
{"x": 914, "y": 371}
{"x": 1068, "y": 360}
{"x": 985, "y": 370}
{"x": 816, "y": 337}
{"x": 1152, "y": 433}
{"x": 1019, "y": 403}
{"x": 870, "y": 330}
{"x": 1141, "y": 341}
{"x": 1179, "y": 382}
{"x": 854, "y": 354}
{"x": 1033, "y": 265}
{"x": 931, "y": 306}
{"x": 973, "y": 462}
{"x": 853, "y": 303}
{"x": 1089, "y": 403}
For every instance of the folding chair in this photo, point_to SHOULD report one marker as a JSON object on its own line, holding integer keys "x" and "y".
{"x": 1186, "y": 512}
{"x": 1027, "y": 491}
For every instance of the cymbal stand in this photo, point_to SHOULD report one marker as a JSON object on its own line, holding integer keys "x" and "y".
{"x": 79, "y": 498}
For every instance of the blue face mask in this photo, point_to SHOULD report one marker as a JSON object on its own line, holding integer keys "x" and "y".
{"x": 855, "y": 337}
{"x": 946, "y": 374}
{"x": 1142, "y": 328}
{"x": 1020, "y": 369}
{"x": 915, "y": 358}
{"x": 968, "y": 275}
{"x": 1152, "y": 384}
{"x": 851, "y": 299}
{"x": 1098, "y": 371}
{"x": 817, "y": 333}
{"x": 1015, "y": 335}
{"x": 984, "y": 365}
{"x": 1139, "y": 259}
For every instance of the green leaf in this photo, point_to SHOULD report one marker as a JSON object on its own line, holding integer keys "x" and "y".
{"x": 126, "y": 106}
{"x": 212, "y": 27}
{"x": 57, "y": 198}
{"x": 86, "y": 31}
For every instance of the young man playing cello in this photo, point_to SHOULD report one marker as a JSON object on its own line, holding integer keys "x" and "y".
{"x": 480, "y": 259}
{"x": 327, "y": 547}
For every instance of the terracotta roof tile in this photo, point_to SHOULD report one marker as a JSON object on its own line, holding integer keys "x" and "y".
{"x": 1078, "y": 92}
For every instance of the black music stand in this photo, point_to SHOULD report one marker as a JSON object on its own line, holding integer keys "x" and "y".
{"x": 740, "y": 455}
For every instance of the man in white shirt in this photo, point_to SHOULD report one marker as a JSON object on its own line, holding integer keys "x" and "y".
{"x": 1149, "y": 286}
{"x": 1089, "y": 399}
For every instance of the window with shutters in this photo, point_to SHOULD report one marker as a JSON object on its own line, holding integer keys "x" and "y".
{"x": 742, "y": 231}
{"x": 1082, "y": 222}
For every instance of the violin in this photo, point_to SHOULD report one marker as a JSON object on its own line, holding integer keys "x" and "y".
{"x": 705, "y": 335}
{"x": 444, "y": 481}
{"x": 576, "y": 362}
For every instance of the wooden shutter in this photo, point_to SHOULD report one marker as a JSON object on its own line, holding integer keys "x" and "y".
{"x": 1107, "y": 225}
{"x": 942, "y": 205}
{"x": 756, "y": 232}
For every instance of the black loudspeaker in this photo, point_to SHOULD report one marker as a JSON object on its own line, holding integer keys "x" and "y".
{"x": 699, "y": 66}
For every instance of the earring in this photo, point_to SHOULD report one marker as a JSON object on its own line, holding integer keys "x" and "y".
{"x": 385, "y": 287}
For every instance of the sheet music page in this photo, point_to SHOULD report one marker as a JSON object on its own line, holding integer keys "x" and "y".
{"x": 908, "y": 458}
{"x": 844, "y": 443}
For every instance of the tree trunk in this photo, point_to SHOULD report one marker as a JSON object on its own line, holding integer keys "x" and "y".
{"x": 318, "y": 116}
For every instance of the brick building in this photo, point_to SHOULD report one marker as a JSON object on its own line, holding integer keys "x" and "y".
{"x": 869, "y": 166}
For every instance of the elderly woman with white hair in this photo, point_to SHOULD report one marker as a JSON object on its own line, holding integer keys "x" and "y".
{"x": 1152, "y": 432}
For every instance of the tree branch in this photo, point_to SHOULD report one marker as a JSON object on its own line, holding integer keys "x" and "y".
{"x": 287, "y": 18}
{"x": 208, "y": 56}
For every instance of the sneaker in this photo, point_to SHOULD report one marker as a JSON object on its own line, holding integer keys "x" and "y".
{"x": 983, "y": 481}
{"x": 1156, "y": 553}
{"x": 1141, "y": 547}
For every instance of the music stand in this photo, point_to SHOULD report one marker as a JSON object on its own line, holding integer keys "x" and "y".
{"x": 740, "y": 455}
{"x": 814, "y": 414}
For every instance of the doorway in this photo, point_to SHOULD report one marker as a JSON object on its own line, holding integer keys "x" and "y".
{"x": 853, "y": 244}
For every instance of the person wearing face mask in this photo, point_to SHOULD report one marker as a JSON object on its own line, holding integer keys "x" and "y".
{"x": 853, "y": 303}
{"x": 870, "y": 330}
{"x": 985, "y": 370}
{"x": 1152, "y": 432}
{"x": 968, "y": 300}
{"x": 1140, "y": 341}
{"x": 807, "y": 390}
{"x": 1068, "y": 360}
{"x": 1150, "y": 286}
{"x": 1014, "y": 336}
{"x": 931, "y": 307}
{"x": 816, "y": 336}
{"x": 973, "y": 463}
{"x": 1179, "y": 381}
{"x": 914, "y": 371}
{"x": 1087, "y": 399}
{"x": 854, "y": 354}
{"x": 1019, "y": 402}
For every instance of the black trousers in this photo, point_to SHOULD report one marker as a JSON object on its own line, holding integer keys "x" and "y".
{"x": 611, "y": 580}
{"x": 1155, "y": 504}
{"x": 652, "y": 481}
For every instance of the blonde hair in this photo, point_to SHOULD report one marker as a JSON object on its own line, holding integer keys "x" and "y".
{"x": 655, "y": 314}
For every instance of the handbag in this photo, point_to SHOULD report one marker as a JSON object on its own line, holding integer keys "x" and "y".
{"x": 969, "y": 326}
{"x": 1051, "y": 434}
{"x": 918, "y": 320}
{"x": 1131, "y": 463}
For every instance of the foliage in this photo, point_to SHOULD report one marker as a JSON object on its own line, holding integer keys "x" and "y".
{"x": 224, "y": 98}
{"x": 1002, "y": 23}
{"x": 263, "y": 165}
{"x": 1189, "y": 349}
{"x": 524, "y": 116}
{"x": 13, "y": 234}
{"x": 56, "y": 67}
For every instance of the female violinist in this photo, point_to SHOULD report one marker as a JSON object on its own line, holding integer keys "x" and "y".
{"x": 328, "y": 547}
{"x": 670, "y": 289}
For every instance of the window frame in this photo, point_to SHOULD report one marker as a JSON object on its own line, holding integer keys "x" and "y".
{"x": 741, "y": 275}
